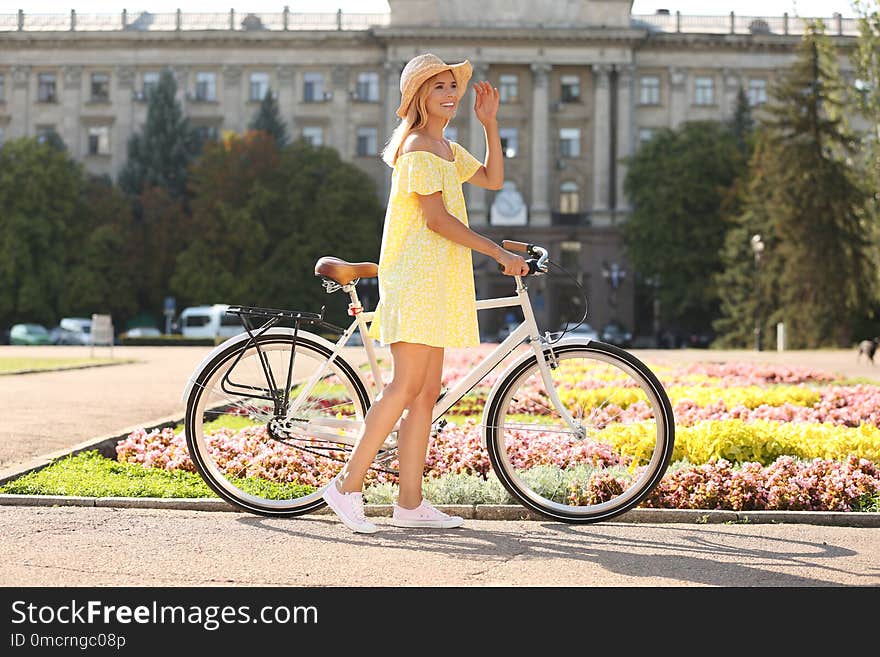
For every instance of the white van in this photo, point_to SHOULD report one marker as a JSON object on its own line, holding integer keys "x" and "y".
{"x": 78, "y": 330}
{"x": 209, "y": 322}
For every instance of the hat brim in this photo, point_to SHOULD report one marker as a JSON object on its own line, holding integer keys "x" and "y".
{"x": 461, "y": 72}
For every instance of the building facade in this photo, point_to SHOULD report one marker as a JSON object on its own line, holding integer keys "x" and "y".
{"x": 582, "y": 85}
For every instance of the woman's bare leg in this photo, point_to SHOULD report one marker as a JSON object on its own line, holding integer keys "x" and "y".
{"x": 415, "y": 432}
{"x": 411, "y": 361}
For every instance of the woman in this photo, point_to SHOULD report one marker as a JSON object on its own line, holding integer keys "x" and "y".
{"x": 426, "y": 282}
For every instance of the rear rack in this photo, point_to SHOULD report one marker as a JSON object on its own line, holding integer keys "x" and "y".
{"x": 274, "y": 316}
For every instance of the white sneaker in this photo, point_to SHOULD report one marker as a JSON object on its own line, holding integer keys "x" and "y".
{"x": 424, "y": 515}
{"x": 349, "y": 507}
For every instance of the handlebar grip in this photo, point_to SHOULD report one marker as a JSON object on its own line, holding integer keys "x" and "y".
{"x": 518, "y": 247}
{"x": 532, "y": 263}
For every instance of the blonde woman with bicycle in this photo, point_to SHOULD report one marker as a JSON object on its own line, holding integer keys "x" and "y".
{"x": 426, "y": 283}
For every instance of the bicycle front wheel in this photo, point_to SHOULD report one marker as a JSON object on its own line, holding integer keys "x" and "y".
{"x": 253, "y": 456}
{"x": 598, "y": 455}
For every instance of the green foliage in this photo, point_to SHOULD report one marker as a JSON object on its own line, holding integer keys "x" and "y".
{"x": 263, "y": 216}
{"x": 160, "y": 155}
{"x": 268, "y": 119}
{"x": 678, "y": 183}
{"x": 100, "y": 269}
{"x": 88, "y": 474}
{"x": 814, "y": 203}
{"x": 40, "y": 191}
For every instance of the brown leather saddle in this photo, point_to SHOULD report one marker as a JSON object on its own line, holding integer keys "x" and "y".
{"x": 344, "y": 272}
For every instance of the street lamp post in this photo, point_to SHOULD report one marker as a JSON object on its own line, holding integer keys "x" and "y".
{"x": 757, "y": 249}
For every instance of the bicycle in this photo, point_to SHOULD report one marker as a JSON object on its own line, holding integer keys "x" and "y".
{"x": 577, "y": 430}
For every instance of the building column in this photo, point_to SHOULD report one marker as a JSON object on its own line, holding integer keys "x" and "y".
{"x": 20, "y": 103}
{"x": 70, "y": 97}
{"x": 286, "y": 99}
{"x": 233, "y": 102}
{"x": 123, "y": 128}
{"x": 730, "y": 87}
{"x": 624, "y": 133}
{"x": 342, "y": 132}
{"x": 392, "y": 70}
{"x": 539, "y": 211}
{"x": 476, "y": 203}
{"x": 677, "y": 96}
{"x": 601, "y": 143}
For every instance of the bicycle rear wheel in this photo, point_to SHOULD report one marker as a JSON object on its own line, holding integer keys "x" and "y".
{"x": 233, "y": 432}
{"x": 604, "y": 461}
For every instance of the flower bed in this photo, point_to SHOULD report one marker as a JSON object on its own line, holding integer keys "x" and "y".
{"x": 748, "y": 437}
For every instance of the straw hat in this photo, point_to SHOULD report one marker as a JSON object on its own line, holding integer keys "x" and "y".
{"x": 424, "y": 67}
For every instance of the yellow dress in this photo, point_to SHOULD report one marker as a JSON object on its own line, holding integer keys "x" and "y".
{"x": 426, "y": 281}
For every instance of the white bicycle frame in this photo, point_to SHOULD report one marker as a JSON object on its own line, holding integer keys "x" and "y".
{"x": 348, "y": 431}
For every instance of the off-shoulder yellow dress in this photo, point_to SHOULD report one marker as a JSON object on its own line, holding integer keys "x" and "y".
{"x": 426, "y": 281}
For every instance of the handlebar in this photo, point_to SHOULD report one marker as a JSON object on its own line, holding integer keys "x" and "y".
{"x": 539, "y": 255}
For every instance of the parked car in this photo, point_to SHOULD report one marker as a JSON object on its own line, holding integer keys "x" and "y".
{"x": 80, "y": 329}
{"x": 29, "y": 334}
{"x": 61, "y": 335}
{"x": 614, "y": 333}
{"x": 142, "y": 332}
{"x": 209, "y": 322}
{"x": 584, "y": 330}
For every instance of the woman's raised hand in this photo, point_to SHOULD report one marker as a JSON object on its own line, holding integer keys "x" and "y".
{"x": 486, "y": 102}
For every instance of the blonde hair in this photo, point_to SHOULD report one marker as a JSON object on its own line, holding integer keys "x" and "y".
{"x": 416, "y": 118}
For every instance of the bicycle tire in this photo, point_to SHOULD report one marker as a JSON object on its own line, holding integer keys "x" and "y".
{"x": 262, "y": 491}
{"x": 613, "y": 476}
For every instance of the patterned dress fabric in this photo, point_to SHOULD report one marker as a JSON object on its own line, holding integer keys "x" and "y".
{"x": 426, "y": 281}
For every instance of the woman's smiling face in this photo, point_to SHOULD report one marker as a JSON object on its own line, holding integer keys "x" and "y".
{"x": 442, "y": 98}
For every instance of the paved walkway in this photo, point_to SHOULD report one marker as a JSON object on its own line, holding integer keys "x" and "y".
{"x": 49, "y": 413}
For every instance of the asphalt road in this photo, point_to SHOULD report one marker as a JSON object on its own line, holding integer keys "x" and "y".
{"x": 74, "y": 546}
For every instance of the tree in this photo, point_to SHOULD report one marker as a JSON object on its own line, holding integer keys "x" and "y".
{"x": 677, "y": 183}
{"x": 805, "y": 194}
{"x": 268, "y": 119}
{"x": 262, "y": 217}
{"x": 742, "y": 124}
{"x": 865, "y": 58}
{"x": 101, "y": 268}
{"x": 40, "y": 190}
{"x": 160, "y": 154}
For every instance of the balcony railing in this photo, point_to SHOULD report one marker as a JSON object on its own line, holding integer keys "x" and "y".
{"x": 179, "y": 20}
{"x": 287, "y": 20}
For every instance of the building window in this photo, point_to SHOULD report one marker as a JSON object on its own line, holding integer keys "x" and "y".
{"x": 313, "y": 135}
{"x": 2, "y": 89}
{"x": 313, "y": 87}
{"x": 704, "y": 91}
{"x": 570, "y": 142}
{"x": 645, "y": 135}
{"x": 569, "y": 199}
{"x": 46, "y": 88}
{"x": 47, "y": 134}
{"x": 206, "y": 86}
{"x": 508, "y": 88}
{"x": 757, "y": 92}
{"x": 509, "y": 141}
{"x": 649, "y": 90}
{"x": 368, "y": 87}
{"x": 571, "y": 256}
{"x": 366, "y": 141}
{"x": 259, "y": 86}
{"x": 100, "y": 87}
{"x": 451, "y": 133}
{"x": 206, "y": 133}
{"x": 571, "y": 88}
{"x": 151, "y": 81}
{"x": 99, "y": 140}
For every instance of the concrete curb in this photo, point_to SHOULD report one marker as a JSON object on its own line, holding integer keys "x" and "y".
{"x": 480, "y": 511}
